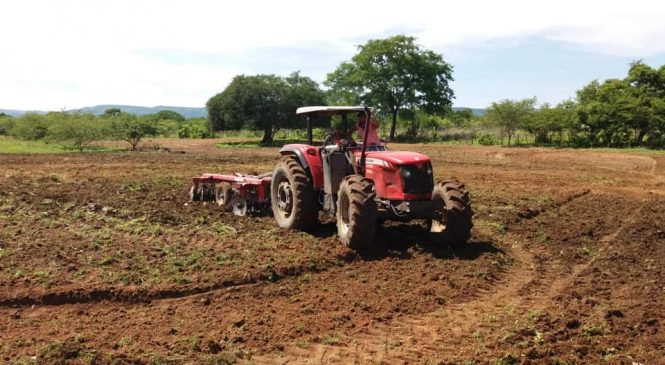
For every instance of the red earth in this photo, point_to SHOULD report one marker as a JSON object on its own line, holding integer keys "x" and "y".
{"x": 103, "y": 261}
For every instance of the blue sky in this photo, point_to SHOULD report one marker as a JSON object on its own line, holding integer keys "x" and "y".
{"x": 76, "y": 53}
{"x": 550, "y": 71}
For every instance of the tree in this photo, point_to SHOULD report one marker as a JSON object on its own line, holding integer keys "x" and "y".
{"x": 77, "y": 131}
{"x": 132, "y": 129}
{"x": 6, "y": 124}
{"x": 300, "y": 91}
{"x": 511, "y": 115}
{"x": 420, "y": 124}
{"x": 563, "y": 117}
{"x": 253, "y": 102}
{"x": 540, "y": 125}
{"x": 167, "y": 122}
{"x": 112, "y": 112}
{"x": 608, "y": 112}
{"x": 194, "y": 128}
{"x": 262, "y": 102}
{"x": 648, "y": 90}
{"x": 169, "y": 115}
{"x": 461, "y": 118}
{"x": 612, "y": 112}
{"x": 395, "y": 73}
{"x": 30, "y": 126}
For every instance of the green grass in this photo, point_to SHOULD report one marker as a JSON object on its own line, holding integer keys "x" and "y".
{"x": 331, "y": 340}
{"x": 257, "y": 143}
{"x": 636, "y": 150}
{"x": 11, "y": 145}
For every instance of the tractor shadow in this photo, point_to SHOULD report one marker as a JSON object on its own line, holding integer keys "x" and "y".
{"x": 402, "y": 241}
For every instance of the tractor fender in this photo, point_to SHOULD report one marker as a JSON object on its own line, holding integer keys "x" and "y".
{"x": 310, "y": 160}
{"x": 291, "y": 150}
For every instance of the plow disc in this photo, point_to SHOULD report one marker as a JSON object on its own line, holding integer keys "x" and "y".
{"x": 239, "y": 205}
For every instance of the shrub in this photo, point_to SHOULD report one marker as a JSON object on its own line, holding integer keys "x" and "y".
{"x": 75, "y": 131}
{"x": 6, "y": 125}
{"x": 487, "y": 139}
{"x": 193, "y": 131}
{"x": 30, "y": 127}
{"x": 131, "y": 129}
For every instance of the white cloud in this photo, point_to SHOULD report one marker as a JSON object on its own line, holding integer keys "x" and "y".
{"x": 75, "y": 53}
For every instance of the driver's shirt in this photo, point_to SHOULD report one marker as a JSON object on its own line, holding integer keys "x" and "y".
{"x": 373, "y": 136}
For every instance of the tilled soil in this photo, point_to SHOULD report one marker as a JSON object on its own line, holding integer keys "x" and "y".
{"x": 102, "y": 260}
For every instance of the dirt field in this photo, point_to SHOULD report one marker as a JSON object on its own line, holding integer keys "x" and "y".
{"x": 101, "y": 261}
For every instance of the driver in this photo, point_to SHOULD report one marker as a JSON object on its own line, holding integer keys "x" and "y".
{"x": 373, "y": 136}
{"x": 338, "y": 134}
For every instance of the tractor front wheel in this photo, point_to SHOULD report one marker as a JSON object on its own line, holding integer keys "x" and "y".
{"x": 455, "y": 223}
{"x": 356, "y": 211}
{"x": 294, "y": 202}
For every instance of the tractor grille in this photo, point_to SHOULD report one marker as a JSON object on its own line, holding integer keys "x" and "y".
{"x": 417, "y": 180}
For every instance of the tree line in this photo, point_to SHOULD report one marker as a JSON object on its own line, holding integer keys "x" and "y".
{"x": 410, "y": 86}
{"x": 78, "y": 131}
{"x": 623, "y": 112}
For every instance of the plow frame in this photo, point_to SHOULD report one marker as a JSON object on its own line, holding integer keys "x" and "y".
{"x": 254, "y": 189}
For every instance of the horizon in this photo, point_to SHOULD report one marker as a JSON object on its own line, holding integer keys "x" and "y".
{"x": 173, "y": 54}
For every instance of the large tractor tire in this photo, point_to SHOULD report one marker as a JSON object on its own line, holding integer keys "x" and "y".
{"x": 293, "y": 199}
{"x": 454, "y": 225}
{"x": 223, "y": 195}
{"x": 356, "y": 212}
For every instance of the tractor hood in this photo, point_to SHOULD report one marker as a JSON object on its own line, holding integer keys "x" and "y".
{"x": 396, "y": 158}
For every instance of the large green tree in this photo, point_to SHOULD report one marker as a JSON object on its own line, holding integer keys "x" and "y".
{"x": 263, "y": 102}
{"x": 394, "y": 73}
{"x": 548, "y": 120}
{"x": 300, "y": 91}
{"x": 511, "y": 115}
{"x": 625, "y": 112}
{"x": 605, "y": 112}
{"x": 648, "y": 91}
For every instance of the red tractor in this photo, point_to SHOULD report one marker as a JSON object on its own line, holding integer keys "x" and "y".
{"x": 360, "y": 184}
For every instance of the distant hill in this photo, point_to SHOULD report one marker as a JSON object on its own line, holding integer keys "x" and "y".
{"x": 187, "y": 112}
{"x": 16, "y": 113}
{"x": 476, "y": 111}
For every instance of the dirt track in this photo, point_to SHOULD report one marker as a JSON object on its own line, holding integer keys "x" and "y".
{"x": 101, "y": 261}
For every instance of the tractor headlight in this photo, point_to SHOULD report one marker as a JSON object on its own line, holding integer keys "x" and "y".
{"x": 406, "y": 173}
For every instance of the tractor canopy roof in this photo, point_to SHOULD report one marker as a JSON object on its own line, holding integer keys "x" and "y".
{"x": 330, "y": 110}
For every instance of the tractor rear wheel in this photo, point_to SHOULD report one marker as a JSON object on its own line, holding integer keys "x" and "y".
{"x": 356, "y": 211}
{"x": 455, "y": 223}
{"x": 223, "y": 195}
{"x": 294, "y": 202}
